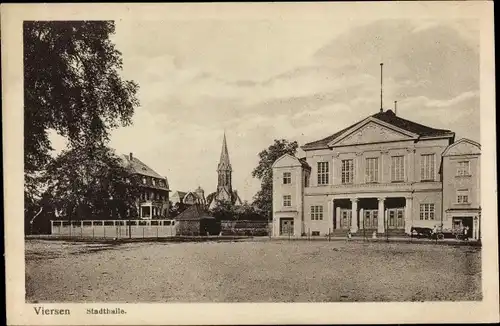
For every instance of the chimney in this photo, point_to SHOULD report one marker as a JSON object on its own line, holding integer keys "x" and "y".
{"x": 130, "y": 156}
{"x": 395, "y": 107}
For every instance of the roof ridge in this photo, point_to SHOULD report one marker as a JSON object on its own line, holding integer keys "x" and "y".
{"x": 389, "y": 117}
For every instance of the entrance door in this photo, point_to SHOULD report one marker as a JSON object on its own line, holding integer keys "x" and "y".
{"x": 396, "y": 218}
{"x": 370, "y": 219}
{"x": 345, "y": 218}
{"x": 459, "y": 223}
{"x": 286, "y": 226}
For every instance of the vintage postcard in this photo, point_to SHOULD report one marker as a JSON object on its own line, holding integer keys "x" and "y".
{"x": 249, "y": 163}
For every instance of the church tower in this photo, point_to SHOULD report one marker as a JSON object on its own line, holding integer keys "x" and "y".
{"x": 224, "y": 170}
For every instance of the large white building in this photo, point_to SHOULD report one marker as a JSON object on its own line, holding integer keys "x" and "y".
{"x": 384, "y": 174}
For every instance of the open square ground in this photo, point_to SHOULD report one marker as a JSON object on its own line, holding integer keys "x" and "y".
{"x": 250, "y": 271}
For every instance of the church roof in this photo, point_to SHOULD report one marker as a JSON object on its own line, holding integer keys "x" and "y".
{"x": 235, "y": 198}
{"x": 390, "y": 118}
{"x": 224, "y": 163}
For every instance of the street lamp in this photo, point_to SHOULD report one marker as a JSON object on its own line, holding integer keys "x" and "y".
{"x": 111, "y": 205}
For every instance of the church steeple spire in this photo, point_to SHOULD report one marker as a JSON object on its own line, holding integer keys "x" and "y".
{"x": 224, "y": 163}
{"x": 224, "y": 170}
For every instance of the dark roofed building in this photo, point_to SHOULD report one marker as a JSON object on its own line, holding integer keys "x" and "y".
{"x": 189, "y": 197}
{"x": 154, "y": 199}
{"x": 196, "y": 220}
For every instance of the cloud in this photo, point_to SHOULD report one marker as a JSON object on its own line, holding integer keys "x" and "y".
{"x": 296, "y": 80}
{"x": 453, "y": 101}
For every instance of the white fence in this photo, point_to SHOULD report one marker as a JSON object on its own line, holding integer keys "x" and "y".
{"x": 114, "y": 228}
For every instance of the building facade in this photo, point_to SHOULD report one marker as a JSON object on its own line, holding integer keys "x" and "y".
{"x": 153, "y": 202}
{"x": 382, "y": 175}
{"x": 189, "y": 198}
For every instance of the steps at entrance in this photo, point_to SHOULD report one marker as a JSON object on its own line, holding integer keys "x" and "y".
{"x": 339, "y": 233}
{"x": 396, "y": 232}
{"x": 391, "y": 233}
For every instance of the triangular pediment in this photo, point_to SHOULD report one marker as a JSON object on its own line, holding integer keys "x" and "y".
{"x": 372, "y": 131}
{"x": 286, "y": 160}
{"x": 463, "y": 147}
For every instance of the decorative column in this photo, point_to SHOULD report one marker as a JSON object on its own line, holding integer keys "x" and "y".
{"x": 330, "y": 215}
{"x": 354, "y": 214}
{"x": 361, "y": 217}
{"x": 337, "y": 218}
{"x": 408, "y": 215}
{"x": 381, "y": 215}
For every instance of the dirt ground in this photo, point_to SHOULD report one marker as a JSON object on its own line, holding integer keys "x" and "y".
{"x": 266, "y": 271}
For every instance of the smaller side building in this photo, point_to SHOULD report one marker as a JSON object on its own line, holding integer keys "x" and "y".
{"x": 461, "y": 186}
{"x": 290, "y": 176}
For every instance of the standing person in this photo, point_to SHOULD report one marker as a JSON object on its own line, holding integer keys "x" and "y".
{"x": 434, "y": 231}
{"x": 466, "y": 233}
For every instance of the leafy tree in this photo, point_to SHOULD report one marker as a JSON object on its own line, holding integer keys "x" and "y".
{"x": 224, "y": 211}
{"x": 91, "y": 183}
{"x": 264, "y": 172}
{"x": 176, "y": 209}
{"x": 247, "y": 212}
{"x": 71, "y": 85}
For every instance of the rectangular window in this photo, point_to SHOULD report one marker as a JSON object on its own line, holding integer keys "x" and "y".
{"x": 347, "y": 171}
{"x": 323, "y": 171}
{"x": 463, "y": 196}
{"x": 463, "y": 168}
{"x": 287, "y": 200}
{"x": 154, "y": 181}
{"x": 287, "y": 178}
{"x": 316, "y": 213}
{"x": 427, "y": 211}
{"x": 427, "y": 167}
{"x": 143, "y": 180}
{"x": 372, "y": 170}
{"x": 397, "y": 168}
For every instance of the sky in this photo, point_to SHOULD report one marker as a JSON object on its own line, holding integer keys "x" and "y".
{"x": 303, "y": 80}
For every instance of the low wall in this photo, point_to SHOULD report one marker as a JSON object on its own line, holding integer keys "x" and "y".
{"x": 246, "y": 228}
{"x": 114, "y": 228}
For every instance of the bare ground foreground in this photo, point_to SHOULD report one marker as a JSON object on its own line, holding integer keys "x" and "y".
{"x": 269, "y": 271}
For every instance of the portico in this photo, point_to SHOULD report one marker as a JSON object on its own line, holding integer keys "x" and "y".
{"x": 372, "y": 213}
